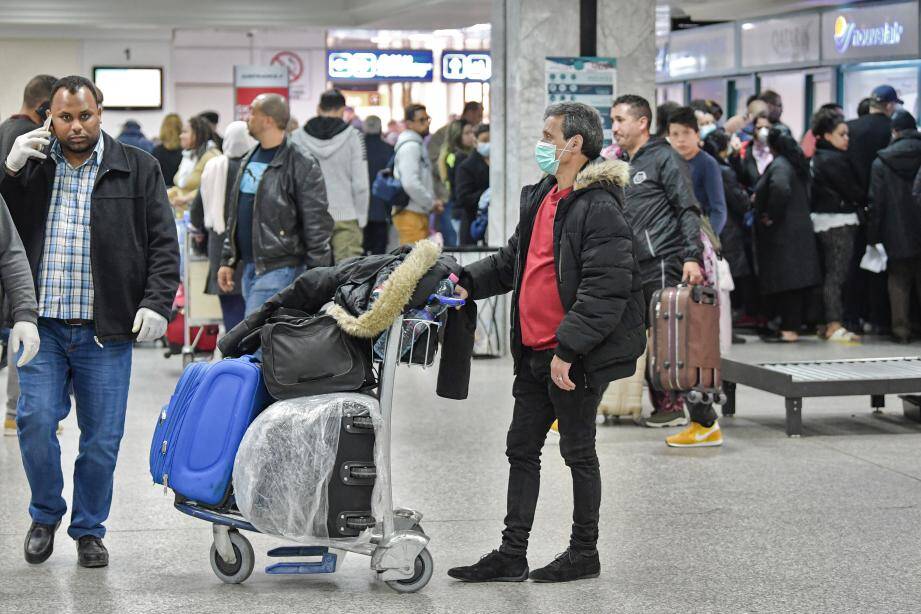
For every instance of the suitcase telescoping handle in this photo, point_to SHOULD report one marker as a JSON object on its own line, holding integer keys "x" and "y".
{"x": 702, "y": 294}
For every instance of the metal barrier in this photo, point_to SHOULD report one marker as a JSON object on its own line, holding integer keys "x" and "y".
{"x": 492, "y": 316}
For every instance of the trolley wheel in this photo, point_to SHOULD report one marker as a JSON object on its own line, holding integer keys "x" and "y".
{"x": 423, "y": 573}
{"x": 240, "y": 570}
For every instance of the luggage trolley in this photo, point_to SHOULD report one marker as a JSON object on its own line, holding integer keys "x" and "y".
{"x": 201, "y": 312}
{"x": 397, "y": 544}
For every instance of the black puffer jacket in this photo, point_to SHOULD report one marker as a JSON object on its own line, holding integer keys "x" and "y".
{"x": 732, "y": 238}
{"x": 835, "y": 186}
{"x": 291, "y": 220}
{"x": 895, "y": 219}
{"x": 662, "y": 210}
{"x": 597, "y": 273}
{"x": 785, "y": 243}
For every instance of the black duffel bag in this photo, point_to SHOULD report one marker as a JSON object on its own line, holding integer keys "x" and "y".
{"x": 306, "y": 356}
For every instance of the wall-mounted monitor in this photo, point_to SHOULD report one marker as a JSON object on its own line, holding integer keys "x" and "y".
{"x": 130, "y": 88}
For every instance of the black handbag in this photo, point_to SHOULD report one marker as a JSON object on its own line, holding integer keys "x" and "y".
{"x": 306, "y": 356}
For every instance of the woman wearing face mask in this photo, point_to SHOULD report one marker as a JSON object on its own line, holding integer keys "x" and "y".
{"x": 785, "y": 245}
{"x": 835, "y": 195}
{"x": 755, "y": 155}
{"x": 471, "y": 180}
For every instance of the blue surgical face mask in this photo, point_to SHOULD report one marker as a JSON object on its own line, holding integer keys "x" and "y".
{"x": 483, "y": 149}
{"x": 546, "y": 158}
{"x": 706, "y": 130}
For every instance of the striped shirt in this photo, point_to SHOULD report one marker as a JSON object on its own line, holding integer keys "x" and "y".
{"x": 65, "y": 276}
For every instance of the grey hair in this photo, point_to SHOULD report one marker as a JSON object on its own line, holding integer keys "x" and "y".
{"x": 372, "y": 124}
{"x": 579, "y": 118}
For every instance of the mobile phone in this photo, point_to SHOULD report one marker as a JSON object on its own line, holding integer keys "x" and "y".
{"x": 42, "y": 110}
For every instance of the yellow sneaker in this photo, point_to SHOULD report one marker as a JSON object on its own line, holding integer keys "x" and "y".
{"x": 697, "y": 436}
{"x": 9, "y": 427}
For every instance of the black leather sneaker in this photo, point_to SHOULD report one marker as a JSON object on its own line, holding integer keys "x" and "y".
{"x": 40, "y": 542}
{"x": 91, "y": 552}
{"x": 494, "y": 567}
{"x": 571, "y": 565}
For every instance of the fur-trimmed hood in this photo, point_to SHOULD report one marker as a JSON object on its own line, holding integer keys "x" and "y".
{"x": 395, "y": 294}
{"x": 610, "y": 172}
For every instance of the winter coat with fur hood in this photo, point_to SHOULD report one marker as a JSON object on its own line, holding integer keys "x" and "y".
{"x": 598, "y": 277}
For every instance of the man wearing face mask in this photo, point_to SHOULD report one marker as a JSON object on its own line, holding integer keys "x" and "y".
{"x": 665, "y": 218}
{"x": 578, "y": 323}
{"x": 80, "y": 190}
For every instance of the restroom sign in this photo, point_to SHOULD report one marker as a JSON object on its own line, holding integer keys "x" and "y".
{"x": 466, "y": 66}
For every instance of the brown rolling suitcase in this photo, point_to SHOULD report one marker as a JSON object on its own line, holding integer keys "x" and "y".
{"x": 684, "y": 353}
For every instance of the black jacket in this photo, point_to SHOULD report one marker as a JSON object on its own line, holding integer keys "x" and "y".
{"x": 379, "y": 154}
{"x": 169, "y": 160}
{"x": 835, "y": 188}
{"x": 894, "y": 217}
{"x": 868, "y": 134}
{"x": 662, "y": 210}
{"x": 134, "y": 255}
{"x": 598, "y": 278}
{"x": 785, "y": 243}
{"x": 291, "y": 221}
{"x": 216, "y": 240}
{"x": 732, "y": 239}
{"x": 350, "y": 284}
{"x": 471, "y": 180}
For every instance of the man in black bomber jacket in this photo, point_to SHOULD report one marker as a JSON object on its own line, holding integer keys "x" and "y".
{"x": 577, "y": 323}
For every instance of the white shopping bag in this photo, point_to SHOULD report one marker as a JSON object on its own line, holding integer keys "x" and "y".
{"x": 874, "y": 260}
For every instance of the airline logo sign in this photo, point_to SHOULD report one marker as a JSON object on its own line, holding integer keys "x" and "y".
{"x": 848, "y": 34}
{"x": 875, "y": 31}
{"x": 466, "y": 66}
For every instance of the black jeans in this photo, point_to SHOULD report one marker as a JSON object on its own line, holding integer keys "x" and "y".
{"x": 790, "y": 306}
{"x": 538, "y": 402}
{"x": 376, "y": 235}
{"x": 904, "y": 276}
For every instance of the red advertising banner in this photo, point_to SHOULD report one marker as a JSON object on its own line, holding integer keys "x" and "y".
{"x": 250, "y": 81}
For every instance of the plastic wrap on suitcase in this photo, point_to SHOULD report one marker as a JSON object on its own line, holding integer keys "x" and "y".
{"x": 306, "y": 469}
{"x": 198, "y": 433}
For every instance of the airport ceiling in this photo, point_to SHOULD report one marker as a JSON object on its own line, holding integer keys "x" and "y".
{"x": 375, "y": 14}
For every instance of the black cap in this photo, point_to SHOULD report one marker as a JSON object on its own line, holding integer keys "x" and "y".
{"x": 885, "y": 93}
{"x": 903, "y": 120}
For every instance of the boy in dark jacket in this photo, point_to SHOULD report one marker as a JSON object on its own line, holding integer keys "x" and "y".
{"x": 895, "y": 220}
{"x": 577, "y": 324}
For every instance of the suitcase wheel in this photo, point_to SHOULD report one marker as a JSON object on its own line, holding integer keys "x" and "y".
{"x": 421, "y": 576}
{"x": 240, "y": 569}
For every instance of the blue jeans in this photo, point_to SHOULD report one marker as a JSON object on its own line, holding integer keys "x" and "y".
{"x": 445, "y": 224}
{"x": 233, "y": 308}
{"x": 100, "y": 377}
{"x": 257, "y": 289}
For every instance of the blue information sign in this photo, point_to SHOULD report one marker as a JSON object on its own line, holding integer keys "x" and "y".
{"x": 466, "y": 66}
{"x": 344, "y": 65}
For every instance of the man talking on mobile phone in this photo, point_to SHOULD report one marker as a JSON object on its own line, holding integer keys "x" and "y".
{"x": 101, "y": 242}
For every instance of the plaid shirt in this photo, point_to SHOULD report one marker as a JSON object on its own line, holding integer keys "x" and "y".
{"x": 65, "y": 277}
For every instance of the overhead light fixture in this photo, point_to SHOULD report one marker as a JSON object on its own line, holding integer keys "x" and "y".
{"x": 748, "y": 26}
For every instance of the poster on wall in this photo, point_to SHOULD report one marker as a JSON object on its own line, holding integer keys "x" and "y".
{"x": 589, "y": 80}
{"x": 250, "y": 81}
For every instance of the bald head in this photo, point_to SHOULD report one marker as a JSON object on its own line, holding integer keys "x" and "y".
{"x": 268, "y": 119}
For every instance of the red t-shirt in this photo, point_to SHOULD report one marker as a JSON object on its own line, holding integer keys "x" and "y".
{"x": 539, "y": 304}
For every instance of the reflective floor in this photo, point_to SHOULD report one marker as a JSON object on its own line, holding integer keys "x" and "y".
{"x": 826, "y": 523}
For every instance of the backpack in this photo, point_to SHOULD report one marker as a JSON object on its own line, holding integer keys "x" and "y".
{"x": 388, "y": 188}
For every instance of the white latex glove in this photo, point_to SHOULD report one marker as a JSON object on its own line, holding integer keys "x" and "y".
{"x": 149, "y": 325}
{"x": 25, "y": 335}
{"x": 27, "y": 146}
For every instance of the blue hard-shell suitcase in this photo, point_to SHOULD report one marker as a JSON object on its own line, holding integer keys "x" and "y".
{"x": 198, "y": 432}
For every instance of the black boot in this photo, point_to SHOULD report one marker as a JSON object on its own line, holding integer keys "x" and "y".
{"x": 571, "y": 565}
{"x": 40, "y": 542}
{"x": 494, "y": 567}
{"x": 91, "y": 552}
